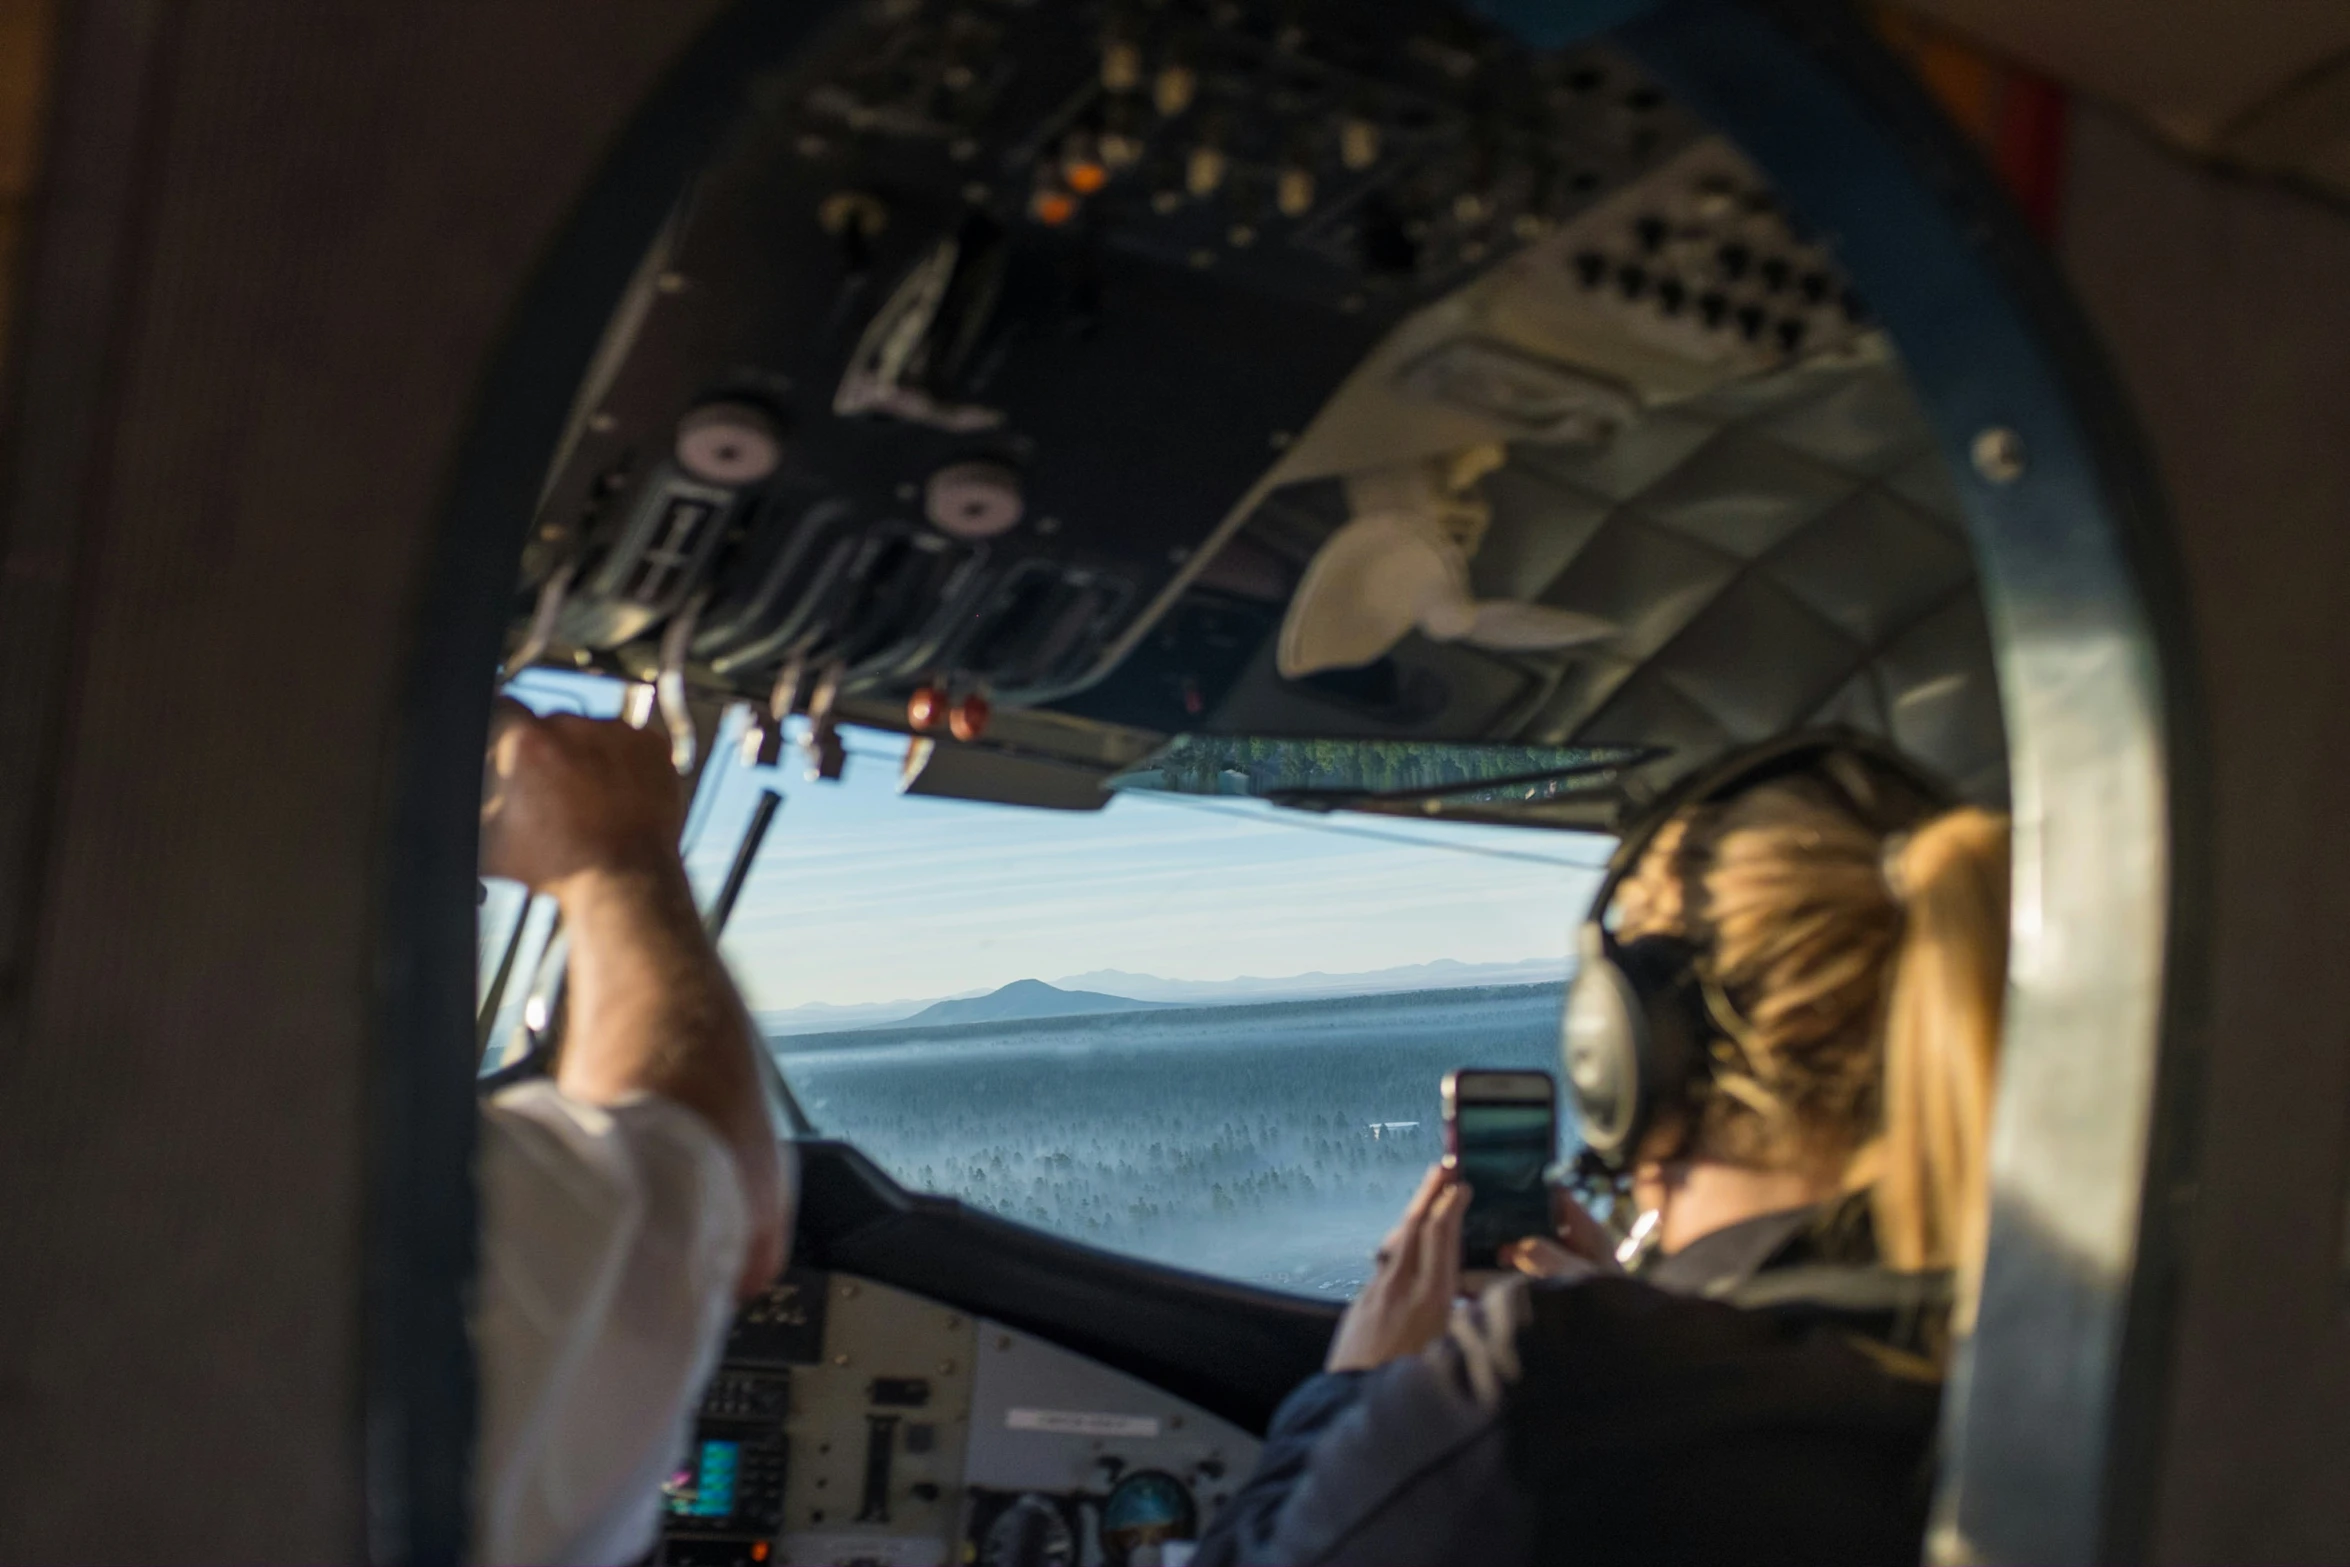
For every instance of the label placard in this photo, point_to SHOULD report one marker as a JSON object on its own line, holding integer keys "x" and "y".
{"x": 1081, "y": 1422}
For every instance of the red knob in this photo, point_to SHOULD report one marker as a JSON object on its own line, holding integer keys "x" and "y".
{"x": 926, "y": 709}
{"x": 968, "y": 720}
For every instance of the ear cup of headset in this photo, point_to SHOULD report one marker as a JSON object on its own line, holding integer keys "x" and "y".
{"x": 1633, "y": 1038}
{"x": 1600, "y": 1050}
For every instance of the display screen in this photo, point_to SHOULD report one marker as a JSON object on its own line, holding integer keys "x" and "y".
{"x": 1501, "y": 1151}
{"x": 705, "y": 1487}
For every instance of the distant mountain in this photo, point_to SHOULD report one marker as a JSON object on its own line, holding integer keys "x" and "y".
{"x": 1443, "y": 974}
{"x": 818, "y": 1017}
{"x": 1115, "y": 990}
{"x": 1024, "y": 998}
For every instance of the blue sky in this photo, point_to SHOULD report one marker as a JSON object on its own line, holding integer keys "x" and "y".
{"x": 866, "y": 895}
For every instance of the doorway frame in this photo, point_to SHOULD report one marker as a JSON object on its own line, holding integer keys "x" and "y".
{"x": 2051, "y": 1432}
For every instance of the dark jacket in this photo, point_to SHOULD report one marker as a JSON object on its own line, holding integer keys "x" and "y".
{"x": 1609, "y": 1419}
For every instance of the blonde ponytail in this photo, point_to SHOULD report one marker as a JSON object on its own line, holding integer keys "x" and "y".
{"x": 1931, "y": 1162}
{"x": 1867, "y": 978}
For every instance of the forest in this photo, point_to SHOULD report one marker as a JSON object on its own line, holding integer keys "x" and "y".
{"x": 1271, "y": 1143}
{"x": 1277, "y": 769}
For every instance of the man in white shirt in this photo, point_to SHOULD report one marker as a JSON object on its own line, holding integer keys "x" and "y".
{"x": 631, "y": 1201}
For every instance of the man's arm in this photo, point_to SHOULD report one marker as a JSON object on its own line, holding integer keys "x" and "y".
{"x": 590, "y": 813}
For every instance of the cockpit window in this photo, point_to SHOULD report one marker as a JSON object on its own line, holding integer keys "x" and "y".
{"x": 1208, "y": 1032}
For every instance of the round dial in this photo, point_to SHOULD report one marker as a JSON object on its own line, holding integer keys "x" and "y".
{"x": 1144, "y": 1511}
{"x": 1030, "y": 1533}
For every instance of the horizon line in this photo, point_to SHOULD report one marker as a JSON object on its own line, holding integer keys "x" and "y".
{"x": 1564, "y": 962}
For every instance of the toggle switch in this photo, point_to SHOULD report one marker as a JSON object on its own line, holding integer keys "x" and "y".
{"x": 967, "y": 719}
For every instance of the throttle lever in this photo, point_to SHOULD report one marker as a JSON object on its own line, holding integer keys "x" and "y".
{"x": 669, "y": 683}
{"x": 552, "y": 593}
{"x": 763, "y": 742}
{"x": 827, "y": 755}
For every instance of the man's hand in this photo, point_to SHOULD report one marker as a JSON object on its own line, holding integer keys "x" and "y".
{"x": 590, "y": 812}
{"x": 565, "y": 795}
{"x": 1409, "y": 1300}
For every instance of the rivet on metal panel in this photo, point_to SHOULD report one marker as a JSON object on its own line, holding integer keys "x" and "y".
{"x": 1999, "y": 455}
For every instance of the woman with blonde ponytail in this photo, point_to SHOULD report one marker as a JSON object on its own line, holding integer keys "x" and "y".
{"x": 1755, "y": 1375}
{"x": 1930, "y": 1196}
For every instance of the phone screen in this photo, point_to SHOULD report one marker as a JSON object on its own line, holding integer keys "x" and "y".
{"x": 1501, "y": 1150}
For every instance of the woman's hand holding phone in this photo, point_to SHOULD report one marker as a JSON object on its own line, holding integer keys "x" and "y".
{"x": 1583, "y": 1245}
{"x": 1404, "y": 1307}
{"x": 1408, "y": 1300}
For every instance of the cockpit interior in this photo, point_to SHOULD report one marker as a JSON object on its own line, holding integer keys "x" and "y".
{"x": 1424, "y": 419}
{"x": 1538, "y": 411}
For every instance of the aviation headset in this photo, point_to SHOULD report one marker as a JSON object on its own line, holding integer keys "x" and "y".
{"x": 1645, "y": 1022}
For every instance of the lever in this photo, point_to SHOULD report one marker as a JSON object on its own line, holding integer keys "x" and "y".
{"x": 552, "y": 592}
{"x": 669, "y": 683}
{"x": 541, "y": 1024}
{"x": 636, "y": 706}
{"x": 495, "y": 998}
{"x": 763, "y": 745}
{"x": 827, "y": 756}
{"x": 745, "y": 853}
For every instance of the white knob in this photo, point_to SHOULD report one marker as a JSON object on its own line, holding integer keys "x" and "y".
{"x": 730, "y": 444}
{"x": 973, "y": 500}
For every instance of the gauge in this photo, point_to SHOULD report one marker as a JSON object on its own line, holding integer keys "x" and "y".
{"x": 1032, "y": 1532}
{"x": 1146, "y": 1510}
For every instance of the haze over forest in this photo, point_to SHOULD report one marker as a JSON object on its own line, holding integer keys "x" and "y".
{"x": 1263, "y": 1140}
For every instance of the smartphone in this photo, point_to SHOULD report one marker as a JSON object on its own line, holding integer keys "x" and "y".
{"x": 1500, "y": 1134}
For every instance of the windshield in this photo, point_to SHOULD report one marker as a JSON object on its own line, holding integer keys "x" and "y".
{"x": 1209, "y": 1032}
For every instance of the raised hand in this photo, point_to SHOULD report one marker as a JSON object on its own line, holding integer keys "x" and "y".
{"x": 563, "y": 795}
{"x": 1583, "y": 1244}
{"x": 1403, "y": 1308}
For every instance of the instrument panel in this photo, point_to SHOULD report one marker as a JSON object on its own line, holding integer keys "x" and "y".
{"x": 850, "y": 1422}
{"x": 907, "y": 398}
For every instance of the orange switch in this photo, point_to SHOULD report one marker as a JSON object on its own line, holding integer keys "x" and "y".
{"x": 968, "y": 720}
{"x": 926, "y": 709}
